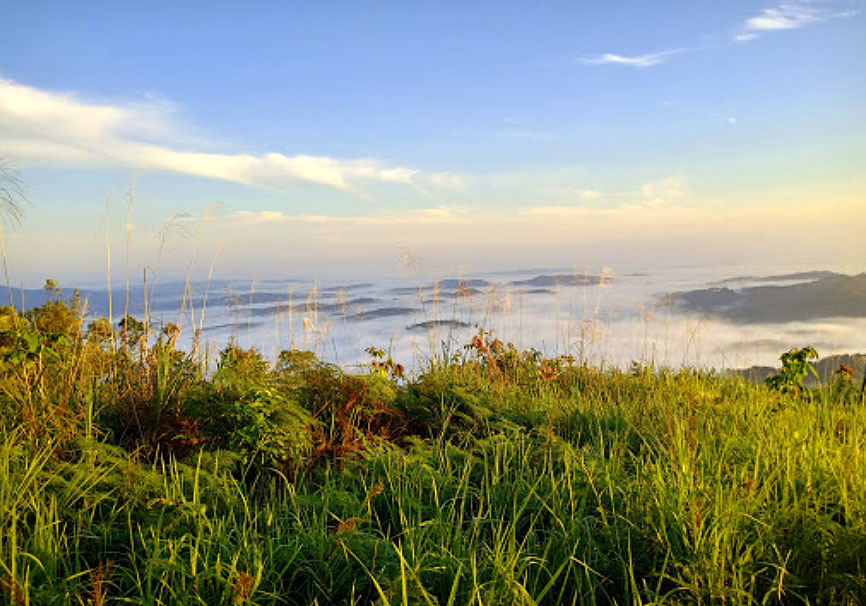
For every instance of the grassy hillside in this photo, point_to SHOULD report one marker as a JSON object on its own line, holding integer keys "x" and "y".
{"x": 131, "y": 474}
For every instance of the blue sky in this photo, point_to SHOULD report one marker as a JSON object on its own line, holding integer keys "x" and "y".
{"x": 474, "y": 134}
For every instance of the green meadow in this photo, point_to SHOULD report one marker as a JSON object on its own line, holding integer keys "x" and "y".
{"x": 132, "y": 472}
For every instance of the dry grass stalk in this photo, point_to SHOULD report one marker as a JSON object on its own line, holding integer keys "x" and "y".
{"x": 187, "y": 293}
{"x": 174, "y": 227}
{"x": 11, "y": 198}
{"x": 204, "y": 301}
{"x": 130, "y": 199}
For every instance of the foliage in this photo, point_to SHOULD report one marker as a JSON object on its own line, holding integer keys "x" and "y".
{"x": 352, "y": 413}
{"x": 842, "y": 388}
{"x": 384, "y": 365}
{"x": 128, "y": 474}
{"x": 795, "y": 368}
{"x": 266, "y": 425}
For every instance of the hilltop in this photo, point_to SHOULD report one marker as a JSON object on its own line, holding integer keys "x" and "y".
{"x": 131, "y": 470}
{"x": 830, "y": 295}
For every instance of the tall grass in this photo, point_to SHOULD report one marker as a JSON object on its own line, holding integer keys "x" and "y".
{"x": 11, "y": 201}
{"x": 494, "y": 477}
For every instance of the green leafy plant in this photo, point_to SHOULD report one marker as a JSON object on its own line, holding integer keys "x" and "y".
{"x": 268, "y": 427}
{"x": 30, "y": 347}
{"x": 384, "y": 365}
{"x": 795, "y": 368}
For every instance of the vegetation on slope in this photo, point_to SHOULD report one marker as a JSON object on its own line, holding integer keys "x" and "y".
{"x": 129, "y": 473}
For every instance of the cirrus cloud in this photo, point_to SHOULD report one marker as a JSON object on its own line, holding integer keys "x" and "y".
{"x": 785, "y": 16}
{"x": 647, "y": 60}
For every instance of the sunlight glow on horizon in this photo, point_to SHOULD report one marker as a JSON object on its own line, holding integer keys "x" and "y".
{"x": 633, "y": 149}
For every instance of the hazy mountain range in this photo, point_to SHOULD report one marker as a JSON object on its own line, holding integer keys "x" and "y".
{"x": 827, "y": 295}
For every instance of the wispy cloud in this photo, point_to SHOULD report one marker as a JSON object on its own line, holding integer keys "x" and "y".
{"x": 723, "y": 116}
{"x": 447, "y": 215}
{"x": 588, "y": 194}
{"x": 447, "y": 180}
{"x": 647, "y": 60}
{"x": 658, "y": 216}
{"x": 51, "y": 128}
{"x": 785, "y": 16}
{"x": 667, "y": 193}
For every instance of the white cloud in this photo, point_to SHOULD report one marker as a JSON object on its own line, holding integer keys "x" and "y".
{"x": 264, "y": 216}
{"x": 397, "y": 175}
{"x": 656, "y": 201}
{"x": 588, "y": 194}
{"x": 417, "y": 216}
{"x": 52, "y": 128}
{"x": 447, "y": 180}
{"x": 647, "y": 60}
{"x": 623, "y": 217}
{"x": 646, "y": 217}
{"x": 785, "y": 16}
{"x": 664, "y": 192}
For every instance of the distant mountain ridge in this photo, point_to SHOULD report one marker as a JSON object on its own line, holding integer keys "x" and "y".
{"x": 801, "y": 275}
{"x": 832, "y": 295}
{"x": 546, "y": 280}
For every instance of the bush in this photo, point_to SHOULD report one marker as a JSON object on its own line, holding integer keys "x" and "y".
{"x": 266, "y": 427}
{"x": 795, "y": 368}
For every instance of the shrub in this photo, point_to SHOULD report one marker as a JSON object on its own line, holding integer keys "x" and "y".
{"x": 267, "y": 427}
{"x": 795, "y": 368}
{"x": 352, "y": 412}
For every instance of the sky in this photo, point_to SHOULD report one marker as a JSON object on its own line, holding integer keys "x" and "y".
{"x": 272, "y": 139}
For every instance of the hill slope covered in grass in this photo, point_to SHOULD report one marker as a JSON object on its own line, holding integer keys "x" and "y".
{"x": 131, "y": 474}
